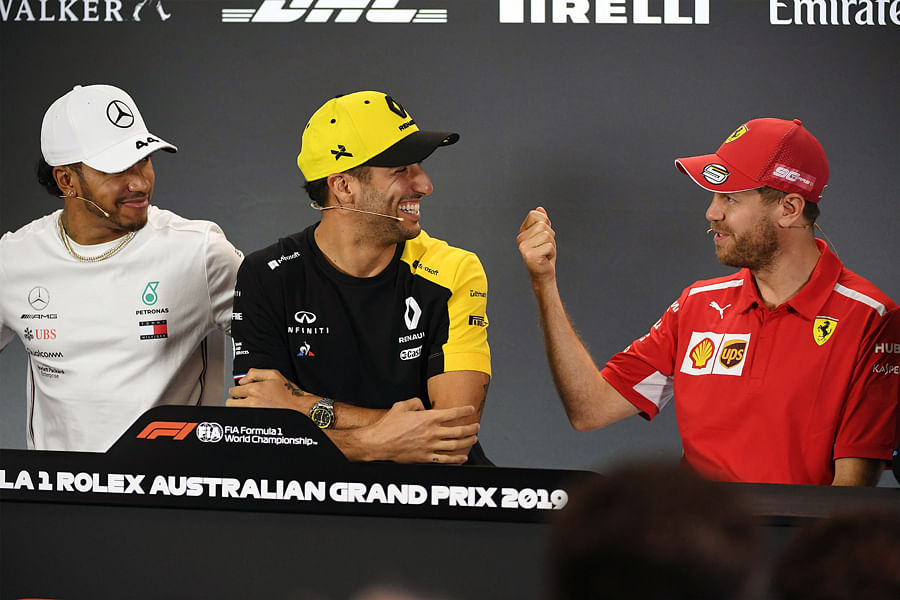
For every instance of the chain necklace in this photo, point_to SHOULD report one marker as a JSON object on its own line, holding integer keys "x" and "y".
{"x": 112, "y": 251}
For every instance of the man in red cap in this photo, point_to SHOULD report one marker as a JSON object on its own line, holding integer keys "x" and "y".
{"x": 727, "y": 350}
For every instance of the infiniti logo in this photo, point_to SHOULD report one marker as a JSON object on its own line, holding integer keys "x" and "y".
{"x": 119, "y": 114}
{"x": 304, "y": 316}
{"x": 39, "y": 298}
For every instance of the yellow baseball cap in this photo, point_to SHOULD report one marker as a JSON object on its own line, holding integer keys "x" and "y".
{"x": 364, "y": 128}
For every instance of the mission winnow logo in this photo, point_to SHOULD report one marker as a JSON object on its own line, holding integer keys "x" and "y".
{"x": 334, "y": 11}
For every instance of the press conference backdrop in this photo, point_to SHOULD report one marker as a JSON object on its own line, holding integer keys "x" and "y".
{"x": 579, "y": 106}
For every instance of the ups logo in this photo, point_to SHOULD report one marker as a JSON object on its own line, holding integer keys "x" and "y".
{"x": 733, "y": 353}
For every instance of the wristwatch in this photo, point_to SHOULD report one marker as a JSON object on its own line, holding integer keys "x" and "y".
{"x": 322, "y": 413}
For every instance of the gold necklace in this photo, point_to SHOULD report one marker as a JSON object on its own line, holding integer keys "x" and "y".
{"x": 65, "y": 239}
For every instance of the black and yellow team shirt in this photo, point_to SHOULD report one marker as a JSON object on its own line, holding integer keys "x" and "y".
{"x": 370, "y": 341}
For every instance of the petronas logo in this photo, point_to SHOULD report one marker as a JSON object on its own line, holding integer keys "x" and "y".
{"x": 149, "y": 296}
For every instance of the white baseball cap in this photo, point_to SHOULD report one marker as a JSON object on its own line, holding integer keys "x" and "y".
{"x": 100, "y": 126}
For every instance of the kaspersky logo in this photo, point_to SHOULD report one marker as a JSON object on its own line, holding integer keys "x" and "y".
{"x": 333, "y": 11}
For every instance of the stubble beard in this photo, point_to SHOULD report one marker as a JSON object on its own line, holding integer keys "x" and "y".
{"x": 755, "y": 250}
{"x": 383, "y": 230}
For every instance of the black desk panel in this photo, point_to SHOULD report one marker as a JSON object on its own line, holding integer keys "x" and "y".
{"x": 176, "y": 510}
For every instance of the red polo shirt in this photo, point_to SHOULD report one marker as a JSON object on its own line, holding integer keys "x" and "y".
{"x": 772, "y": 395}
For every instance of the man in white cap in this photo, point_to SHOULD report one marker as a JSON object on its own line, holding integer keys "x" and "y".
{"x": 784, "y": 372}
{"x": 362, "y": 320}
{"x": 120, "y": 305}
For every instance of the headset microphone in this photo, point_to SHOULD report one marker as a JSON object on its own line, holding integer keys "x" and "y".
{"x": 105, "y": 214}
{"x": 709, "y": 231}
{"x": 365, "y": 212}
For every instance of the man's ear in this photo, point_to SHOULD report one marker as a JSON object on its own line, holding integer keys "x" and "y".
{"x": 341, "y": 187}
{"x": 65, "y": 180}
{"x": 790, "y": 210}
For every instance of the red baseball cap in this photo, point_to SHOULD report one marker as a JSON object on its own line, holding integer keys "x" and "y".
{"x": 763, "y": 152}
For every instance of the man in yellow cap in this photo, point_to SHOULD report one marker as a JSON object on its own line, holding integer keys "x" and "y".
{"x": 362, "y": 320}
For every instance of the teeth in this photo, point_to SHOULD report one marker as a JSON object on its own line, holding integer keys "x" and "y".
{"x": 412, "y": 209}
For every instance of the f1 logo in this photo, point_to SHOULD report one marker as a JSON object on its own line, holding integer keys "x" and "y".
{"x": 177, "y": 430}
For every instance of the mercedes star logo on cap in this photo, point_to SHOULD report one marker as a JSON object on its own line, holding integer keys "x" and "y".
{"x": 39, "y": 298}
{"x": 119, "y": 114}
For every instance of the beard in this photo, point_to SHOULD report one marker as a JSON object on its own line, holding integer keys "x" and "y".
{"x": 382, "y": 229}
{"x": 754, "y": 250}
{"x": 114, "y": 219}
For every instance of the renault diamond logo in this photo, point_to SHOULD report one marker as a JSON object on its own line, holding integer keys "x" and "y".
{"x": 39, "y": 298}
{"x": 412, "y": 313}
{"x": 119, "y": 114}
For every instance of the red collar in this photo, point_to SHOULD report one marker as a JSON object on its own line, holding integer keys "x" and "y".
{"x": 811, "y": 297}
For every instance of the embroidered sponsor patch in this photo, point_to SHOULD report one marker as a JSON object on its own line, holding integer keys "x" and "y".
{"x": 153, "y": 330}
{"x": 715, "y": 173}
{"x": 823, "y": 328}
{"x": 711, "y": 353}
{"x": 736, "y": 134}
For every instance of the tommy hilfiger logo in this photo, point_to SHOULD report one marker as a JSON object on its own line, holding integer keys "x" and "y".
{"x": 153, "y": 330}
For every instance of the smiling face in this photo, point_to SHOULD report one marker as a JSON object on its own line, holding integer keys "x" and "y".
{"x": 745, "y": 230}
{"x": 394, "y": 191}
{"x": 125, "y": 195}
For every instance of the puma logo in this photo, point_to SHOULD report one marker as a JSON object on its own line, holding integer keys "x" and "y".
{"x": 721, "y": 309}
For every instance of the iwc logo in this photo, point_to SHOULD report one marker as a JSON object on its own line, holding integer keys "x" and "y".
{"x": 209, "y": 432}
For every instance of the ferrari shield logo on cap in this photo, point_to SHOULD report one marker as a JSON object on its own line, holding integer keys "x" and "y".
{"x": 715, "y": 173}
{"x": 736, "y": 134}
{"x": 823, "y": 328}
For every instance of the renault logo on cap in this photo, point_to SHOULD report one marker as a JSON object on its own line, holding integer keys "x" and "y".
{"x": 715, "y": 173}
{"x": 119, "y": 114}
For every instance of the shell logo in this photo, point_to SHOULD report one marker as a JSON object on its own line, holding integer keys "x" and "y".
{"x": 701, "y": 353}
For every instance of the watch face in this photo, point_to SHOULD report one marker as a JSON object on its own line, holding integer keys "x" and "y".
{"x": 322, "y": 416}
